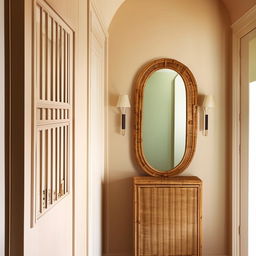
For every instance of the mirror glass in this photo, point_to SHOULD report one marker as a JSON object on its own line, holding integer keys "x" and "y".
{"x": 164, "y": 119}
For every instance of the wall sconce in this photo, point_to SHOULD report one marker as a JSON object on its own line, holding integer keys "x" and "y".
{"x": 207, "y": 104}
{"x": 123, "y": 103}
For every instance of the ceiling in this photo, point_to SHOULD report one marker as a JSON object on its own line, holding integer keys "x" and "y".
{"x": 108, "y": 8}
{"x": 237, "y": 8}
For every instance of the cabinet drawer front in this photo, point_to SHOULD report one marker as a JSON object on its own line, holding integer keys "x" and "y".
{"x": 167, "y": 221}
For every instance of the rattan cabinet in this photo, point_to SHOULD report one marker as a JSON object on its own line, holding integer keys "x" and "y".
{"x": 167, "y": 216}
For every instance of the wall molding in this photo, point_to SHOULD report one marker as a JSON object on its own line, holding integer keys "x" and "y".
{"x": 118, "y": 254}
{"x": 96, "y": 117}
{"x": 98, "y": 14}
{"x": 246, "y": 23}
{"x": 2, "y": 124}
{"x": 14, "y": 126}
{"x": 240, "y": 28}
{"x": 131, "y": 254}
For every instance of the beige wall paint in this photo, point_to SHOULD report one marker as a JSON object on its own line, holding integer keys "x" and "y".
{"x": 197, "y": 34}
{"x": 35, "y": 243}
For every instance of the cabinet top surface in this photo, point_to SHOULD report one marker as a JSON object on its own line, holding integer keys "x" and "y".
{"x": 172, "y": 180}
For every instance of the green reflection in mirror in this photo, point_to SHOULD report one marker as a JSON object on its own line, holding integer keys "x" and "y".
{"x": 164, "y": 119}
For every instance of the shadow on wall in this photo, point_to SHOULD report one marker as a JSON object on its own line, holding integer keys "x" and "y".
{"x": 119, "y": 202}
{"x": 120, "y": 190}
{"x": 112, "y": 103}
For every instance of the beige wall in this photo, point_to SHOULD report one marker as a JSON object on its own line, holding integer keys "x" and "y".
{"x": 197, "y": 34}
{"x": 50, "y": 242}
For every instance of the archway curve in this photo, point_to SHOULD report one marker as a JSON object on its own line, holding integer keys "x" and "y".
{"x": 109, "y": 8}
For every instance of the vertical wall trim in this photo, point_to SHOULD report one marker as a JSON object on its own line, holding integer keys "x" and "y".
{"x": 106, "y": 209}
{"x": 96, "y": 116}
{"x": 240, "y": 28}
{"x": 14, "y": 125}
{"x": 235, "y": 148}
{"x": 2, "y": 123}
{"x": 80, "y": 127}
{"x": 99, "y": 16}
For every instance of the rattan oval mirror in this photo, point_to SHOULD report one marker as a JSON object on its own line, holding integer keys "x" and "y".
{"x": 165, "y": 117}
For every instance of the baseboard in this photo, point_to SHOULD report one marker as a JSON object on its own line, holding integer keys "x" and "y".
{"x": 118, "y": 254}
{"x": 130, "y": 254}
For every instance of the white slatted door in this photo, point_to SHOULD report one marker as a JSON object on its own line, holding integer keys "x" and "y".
{"x": 52, "y": 192}
{"x": 96, "y": 136}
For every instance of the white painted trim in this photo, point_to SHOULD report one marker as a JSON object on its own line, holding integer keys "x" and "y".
{"x": 243, "y": 26}
{"x": 2, "y": 128}
{"x": 80, "y": 127}
{"x": 88, "y": 132}
{"x": 98, "y": 34}
{"x": 236, "y": 147}
{"x": 106, "y": 187}
{"x": 96, "y": 11}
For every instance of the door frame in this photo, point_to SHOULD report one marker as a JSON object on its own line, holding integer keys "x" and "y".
{"x": 243, "y": 26}
{"x": 14, "y": 126}
{"x": 2, "y": 139}
{"x": 96, "y": 28}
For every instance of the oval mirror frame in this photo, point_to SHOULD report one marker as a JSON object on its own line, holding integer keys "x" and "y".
{"x": 191, "y": 114}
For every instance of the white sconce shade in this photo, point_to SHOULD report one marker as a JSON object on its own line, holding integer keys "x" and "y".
{"x": 123, "y": 103}
{"x": 208, "y": 102}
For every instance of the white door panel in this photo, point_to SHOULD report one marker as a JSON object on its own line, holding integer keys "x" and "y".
{"x": 49, "y": 182}
{"x": 52, "y": 234}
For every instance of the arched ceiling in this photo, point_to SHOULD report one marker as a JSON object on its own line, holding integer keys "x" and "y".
{"x": 237, "y": 8}
{"x": 108, "y": 8}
